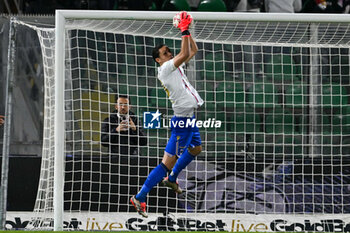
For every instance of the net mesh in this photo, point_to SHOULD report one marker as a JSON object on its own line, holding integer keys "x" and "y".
{"x": 279, "y": 89}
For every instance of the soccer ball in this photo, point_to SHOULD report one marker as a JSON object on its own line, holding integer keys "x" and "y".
{"x": 176, "y": 20}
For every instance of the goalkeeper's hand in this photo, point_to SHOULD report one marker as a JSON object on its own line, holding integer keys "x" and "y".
{"x": 185, "y": 21}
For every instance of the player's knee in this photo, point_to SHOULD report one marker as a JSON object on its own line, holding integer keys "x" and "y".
{"x": 169, "y": 160}
{"x": 195, "y": 150}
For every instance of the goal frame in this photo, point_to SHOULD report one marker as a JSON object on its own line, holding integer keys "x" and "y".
{"x": 60, "y": 21}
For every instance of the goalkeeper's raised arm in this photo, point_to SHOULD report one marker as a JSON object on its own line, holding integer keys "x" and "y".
{"x": 193, "y": 49}
{"x": 189, "y": 47}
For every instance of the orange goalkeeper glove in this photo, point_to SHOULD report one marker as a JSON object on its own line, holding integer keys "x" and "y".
{"x": 185, "y": 21}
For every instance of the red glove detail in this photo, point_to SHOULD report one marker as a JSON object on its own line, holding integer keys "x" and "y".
{"x": 185, "y": 21}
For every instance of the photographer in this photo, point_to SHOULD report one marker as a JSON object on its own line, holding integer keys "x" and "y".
{"x": 120, "y": 132}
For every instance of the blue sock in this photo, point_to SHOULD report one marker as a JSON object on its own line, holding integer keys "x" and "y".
{"x": 156, "y": 176}
{"x": 181, "y": 163}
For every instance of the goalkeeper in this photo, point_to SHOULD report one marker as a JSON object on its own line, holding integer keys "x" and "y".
{"x": 185, "y": 142}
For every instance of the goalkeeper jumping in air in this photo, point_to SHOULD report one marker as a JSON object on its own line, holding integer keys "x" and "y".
{"x": 185, "y": 142}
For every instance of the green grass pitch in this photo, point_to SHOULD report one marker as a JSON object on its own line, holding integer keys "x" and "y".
{"x": 118, "y": 231}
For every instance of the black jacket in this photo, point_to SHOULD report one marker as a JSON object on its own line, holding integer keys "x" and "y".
{"x": 125, "y": 142}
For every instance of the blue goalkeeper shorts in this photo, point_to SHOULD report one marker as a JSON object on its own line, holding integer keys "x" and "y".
{"x": 183, "y": 135}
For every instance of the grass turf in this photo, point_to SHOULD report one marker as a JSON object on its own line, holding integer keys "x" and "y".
{"x": 101, "y": 231}
{"x": 118, "y": 231}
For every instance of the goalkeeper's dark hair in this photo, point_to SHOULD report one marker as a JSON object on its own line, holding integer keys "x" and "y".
{"x": 155, "y": 51}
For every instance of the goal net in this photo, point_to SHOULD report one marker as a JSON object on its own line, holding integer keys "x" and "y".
{"x": 278, "y": 161}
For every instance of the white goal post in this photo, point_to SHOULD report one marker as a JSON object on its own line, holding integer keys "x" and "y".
{"x": 270, "y": 78}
